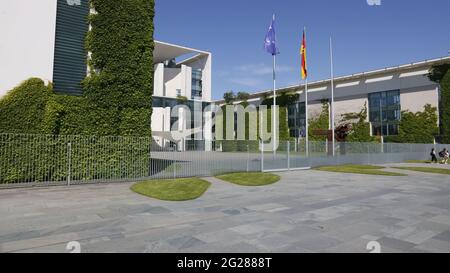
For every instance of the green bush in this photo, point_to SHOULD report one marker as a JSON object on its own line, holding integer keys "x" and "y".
{"x": 360, "y": 129}
{"x": 420, "y": 127}
{"x": 46, "y": 158}
{"x": 22, "y": 109}
{"x": 322, "y": 122}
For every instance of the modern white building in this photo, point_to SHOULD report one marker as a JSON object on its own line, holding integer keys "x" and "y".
{"x": 386, "y": 92}
{"x": 46, "y": 39}
{"x": 182, "y": 77}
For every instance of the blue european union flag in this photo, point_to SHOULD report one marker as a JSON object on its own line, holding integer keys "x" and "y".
{"x": 271, "y": 39}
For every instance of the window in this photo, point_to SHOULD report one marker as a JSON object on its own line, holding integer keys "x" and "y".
{"x": 178, "y": 92}
{"x": 197, "y": 84}
{"x": 69, "y": 62}
{"x": 296, "y": 119}
{"x": 385, "y": 112}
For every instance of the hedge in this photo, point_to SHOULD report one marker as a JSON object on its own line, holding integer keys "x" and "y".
{"x": 45, "y": 158}
{"x": 22, "y": 109}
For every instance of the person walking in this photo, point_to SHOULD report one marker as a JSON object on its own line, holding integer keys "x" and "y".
{"x": 446, "y": 156}
{"x": 433, "y": 156}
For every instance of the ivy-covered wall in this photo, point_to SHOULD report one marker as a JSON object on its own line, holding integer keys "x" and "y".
{"x": 116, "y": 101}
{"x": 117, "y": 95}
{"x": 121, "y": 42}
{"x": 22, "y": 109}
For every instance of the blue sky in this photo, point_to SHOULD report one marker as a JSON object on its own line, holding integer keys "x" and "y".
{"x": 365, "y": 37}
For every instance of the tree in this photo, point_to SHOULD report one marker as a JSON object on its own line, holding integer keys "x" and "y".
{"x": 441, "y": 75}
{"x": 242, "y": 96}
{"x": 438, "y": 72}
{"x": 229, "y": 97}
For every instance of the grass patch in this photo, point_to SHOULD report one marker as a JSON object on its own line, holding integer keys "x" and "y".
{"x": 424, "y": 170}
{"x": 250, "y": 179}
{"x": 182, "y": 189}
{"x": 358, "y": 169}
{"x": 418, "y": 161}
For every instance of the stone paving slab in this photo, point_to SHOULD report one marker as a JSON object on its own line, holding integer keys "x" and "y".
{"x": 307, "y": 211}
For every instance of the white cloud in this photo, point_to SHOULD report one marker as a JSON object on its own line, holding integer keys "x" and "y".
{"x": 262, "y": 69}
{"x": 251, "y": 82}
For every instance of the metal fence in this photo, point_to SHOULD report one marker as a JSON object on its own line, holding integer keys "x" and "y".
{"x": 34, "y": 160}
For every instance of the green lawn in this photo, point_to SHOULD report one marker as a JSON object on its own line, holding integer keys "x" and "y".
{"x": 425, "y": 170}
{"x": 358, "y": 169}
{"x": 250, "y": 179}
{"x": 182, "y": 189}
{"x": 417, "y": 161}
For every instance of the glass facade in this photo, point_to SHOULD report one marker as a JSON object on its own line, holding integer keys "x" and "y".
{"x": 197, "y": 85}
{"x": 296, "y": 120}
{"x": 385, "y": 112}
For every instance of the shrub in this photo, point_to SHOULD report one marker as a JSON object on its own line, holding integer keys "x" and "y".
{"x": 361, "y": 128}
{"x": 22, "y": 109}
{"x": 322, "y": 122}
{"x": 420, "y": 127}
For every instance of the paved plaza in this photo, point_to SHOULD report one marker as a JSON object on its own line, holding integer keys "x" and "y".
{"x": 307, "y": 211}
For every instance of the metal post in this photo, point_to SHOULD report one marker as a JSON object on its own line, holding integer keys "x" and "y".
{"x": 69, "y": 163}
{"x": 288, "y": 155}
{"x": 174, "y": 164}
{"x": 262, "y": 156}
{"x": 332, "y": 96}
{"x": 248, "y": 157}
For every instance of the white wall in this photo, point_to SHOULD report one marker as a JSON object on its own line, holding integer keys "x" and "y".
{"x": 27, "y": 39}
{"x": 351, "y": 105}
{"x": 177, "y": 78}
{"x": 158, "y": 80}
{"x": 414, "y": 100}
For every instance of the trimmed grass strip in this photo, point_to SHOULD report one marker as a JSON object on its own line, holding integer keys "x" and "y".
{"x": 424, "y": 170}
{"x": 358, "y": 169}
{"x": 182, "y": 189}
{"x": 250, "y": 179}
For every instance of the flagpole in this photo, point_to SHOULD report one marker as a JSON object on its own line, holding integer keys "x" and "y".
{"x": 306, "y": 111}
{"x": 332, "y": 95}
{"x": 274, "y": 106}
{"x": 306, "y": 118}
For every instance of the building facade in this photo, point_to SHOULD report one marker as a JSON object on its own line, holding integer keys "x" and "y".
{"x": 182, "y": 78}
{"x": 385, "y": 92}
{"x": 46, "y": 39}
